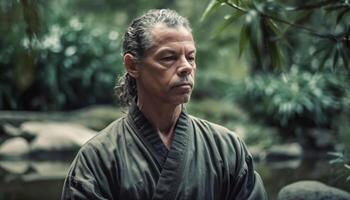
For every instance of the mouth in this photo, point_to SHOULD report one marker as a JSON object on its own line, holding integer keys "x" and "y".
{"x": 183, "y": 85}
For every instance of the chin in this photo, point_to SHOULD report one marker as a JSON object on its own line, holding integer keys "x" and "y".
{"x": 178, "y": 99}
{"x": 184, "y": 99}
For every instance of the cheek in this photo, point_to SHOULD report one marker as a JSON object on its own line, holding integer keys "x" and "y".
{"x": 157, "y": 82}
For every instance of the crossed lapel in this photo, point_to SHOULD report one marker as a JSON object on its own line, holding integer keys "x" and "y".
{"x": 173, "y": 168}
{"x": 170, "y": 163}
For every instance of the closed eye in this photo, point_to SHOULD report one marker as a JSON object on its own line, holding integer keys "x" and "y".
{"x": 191, "y": 58}
{"x": 168, "y": 58}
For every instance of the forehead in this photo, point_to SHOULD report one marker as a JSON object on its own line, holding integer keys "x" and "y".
{"x": 164, "y": 35}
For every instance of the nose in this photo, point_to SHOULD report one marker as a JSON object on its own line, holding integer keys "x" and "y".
{"x": 185, "y": 68}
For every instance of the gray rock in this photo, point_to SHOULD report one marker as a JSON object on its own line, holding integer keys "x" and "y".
{"x": 55, "y": 136}
{"x": 257, "y": 152}
{"x": 15, "y": 166}
{"x": 311, "y": 190}
{"x": 322, "y": 138}
{"x": 11, "y": 131}
{"x": 97, "y": 117}
{"x": 285, "y": 164}
{"x": 14, "y": 147}
{"x": 284, "y": 152}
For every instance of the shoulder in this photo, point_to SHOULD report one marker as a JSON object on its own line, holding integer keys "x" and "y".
{"x": 215, "y": 130}
{"x": 101, "y": 147}
{"x": 94, "y": 165}
{"x": 106, "y": 136}
{"x": 226, "y": 141}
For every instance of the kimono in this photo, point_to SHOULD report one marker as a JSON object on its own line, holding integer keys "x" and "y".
{"x": 127, "y": 160}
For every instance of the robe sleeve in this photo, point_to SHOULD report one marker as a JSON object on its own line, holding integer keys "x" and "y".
{"x": 248, "y": 184}
{"x": 85, "y": 179}
{"x": 80, "y": 189}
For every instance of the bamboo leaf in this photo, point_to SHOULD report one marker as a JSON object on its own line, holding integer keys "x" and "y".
{"x": 254, "y": 46}
{"x": 237, "y": 2}
{"x": 347, "y": 166}
{"x": 278, "y": 34}
{"x": 341, "y": 15}
{"x": 334, "y": 7}
{"x": 335, "y": 56}
{"x": 228, "y": 20}
{"x": 321, "y": 48}
{"x": 243, "y": 39}
{"x": 326, "y": 56}
{"x": 335, "y": 154}
{"x": 31, "y": 17}
{"x": 335, "y": 161}
{"x": 275, "y": 54}
{"x": 212, "y": 6}
{"x": 345, "y": 54}
{"x": 310, "y": 6}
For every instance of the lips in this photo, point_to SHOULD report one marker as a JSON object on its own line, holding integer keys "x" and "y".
{"x": 188, "y": 84}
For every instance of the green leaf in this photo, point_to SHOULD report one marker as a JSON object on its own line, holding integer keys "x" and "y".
{"x": 243, "y": 39}
{"x": 275, "y": 54}
{"x": 212, "y": 6}
{"x": 335, "y": 56}
{"x": 269, "y": 37}
{"x": 279, "y": 34}
{"x": 228, "y": 20}
{"x": 335, "y": 161}
{"x": 310, "y": 6}
{"x": 273, "y": 26}
{"x": 321, "y": 47}
{"x": 335, "y": 154}
{"x": 345, "y": 54}
{"x": 347, "y": 166}
{"x": 341, "y": 15}
{"x": 334, "y": 7}
{"x": 326, "y": 56}
{"x": 31, "y": 18}
{"x": 255, "y": 48}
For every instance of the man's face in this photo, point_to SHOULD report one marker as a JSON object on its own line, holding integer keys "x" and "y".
{"x": 168, "y": 67}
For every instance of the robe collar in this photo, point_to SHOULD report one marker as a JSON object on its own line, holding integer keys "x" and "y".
{"x": 171, "y": 162}
{"x": 147, "y": 131}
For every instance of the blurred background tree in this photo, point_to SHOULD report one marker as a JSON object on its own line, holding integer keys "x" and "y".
{"x": 298, "y": 54}
{"x": 65, "y": 55}
{"x": 54, "y": 62}
{"x": 299, "y": 67}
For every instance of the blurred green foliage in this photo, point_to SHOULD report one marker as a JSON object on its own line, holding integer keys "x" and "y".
{"x": 299, "y": 67}
{"x": 342, "y": 159}
{"x": 223, "y": 112}
{"x": 65, "y": 54}
{"x": 64, "y": 63}
{"x": 280, "y": 33}
{"x": 297, "y": 98}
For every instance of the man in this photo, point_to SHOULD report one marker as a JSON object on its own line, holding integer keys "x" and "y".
{"x": 158, "y": 151}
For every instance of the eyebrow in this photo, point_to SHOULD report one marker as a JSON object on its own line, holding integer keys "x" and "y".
{"x": 166, "y": 50}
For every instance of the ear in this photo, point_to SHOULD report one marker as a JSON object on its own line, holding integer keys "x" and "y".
{"x": 130, "y": 65}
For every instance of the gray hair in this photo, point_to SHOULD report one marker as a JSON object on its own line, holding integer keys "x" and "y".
{"x": 137, "y": 39}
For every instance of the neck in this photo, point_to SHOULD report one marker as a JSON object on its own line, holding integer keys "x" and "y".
{"x": 163, "y": 118}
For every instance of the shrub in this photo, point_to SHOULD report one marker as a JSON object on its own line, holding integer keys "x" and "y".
{"x": 72, "y": 65}
{"x": 296, "y": 99}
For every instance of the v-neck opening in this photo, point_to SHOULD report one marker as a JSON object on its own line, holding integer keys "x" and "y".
{"x": 171, "y": 162}
{"x": 149, "y": 134}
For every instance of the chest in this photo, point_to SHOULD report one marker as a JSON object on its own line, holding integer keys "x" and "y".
{"x": 202, "y": 177}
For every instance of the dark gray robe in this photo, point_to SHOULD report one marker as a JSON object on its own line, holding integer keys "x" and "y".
{"x": 127, "y": 160}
